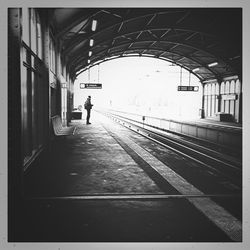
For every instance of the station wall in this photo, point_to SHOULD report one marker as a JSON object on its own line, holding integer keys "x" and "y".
{"x": 45, "y": 88}
{"x": 223, "y": 98}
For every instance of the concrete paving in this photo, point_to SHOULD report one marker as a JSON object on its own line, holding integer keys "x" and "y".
{"x": 97, "y": 162}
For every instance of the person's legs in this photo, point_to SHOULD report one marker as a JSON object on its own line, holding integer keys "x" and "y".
{"x": 88, "y": 116}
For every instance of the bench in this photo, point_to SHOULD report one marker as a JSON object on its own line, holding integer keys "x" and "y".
{"x": 223, "y": 117}
{"x": 59, "y": 129}
{"x": 76, "y": 115}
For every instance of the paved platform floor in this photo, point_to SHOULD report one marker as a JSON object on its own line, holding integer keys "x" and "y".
{"x": 98, "y": 185}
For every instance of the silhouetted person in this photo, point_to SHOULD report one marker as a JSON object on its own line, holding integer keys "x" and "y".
{"x": 88, "y": 106}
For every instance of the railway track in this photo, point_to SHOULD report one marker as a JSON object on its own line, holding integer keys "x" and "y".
{"x": 219, "y": 163}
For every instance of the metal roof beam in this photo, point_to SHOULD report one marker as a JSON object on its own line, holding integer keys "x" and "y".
{"x": 139, "y": 35}
{"x": 117, "y": 56}
{"x": 192, "y": 35}
{"x": 111, "y": 13}
{"x": 134, "y": 41}
{"x": 165, "y": 33}
{"x": 199, "y": 64}
{"x": 120, "y": 27}
{"x": 184, "y": 17}
{"x": 152, "y": 34}
{"x": 151, "y": 19}
{"x": 75, "y": 23}
{"x": 175, "y": 45}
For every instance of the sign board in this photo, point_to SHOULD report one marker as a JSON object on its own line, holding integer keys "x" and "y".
{"x": 90, "y": 85}
{"x": 188, "y": 88}
{"x": 229, "y": 97}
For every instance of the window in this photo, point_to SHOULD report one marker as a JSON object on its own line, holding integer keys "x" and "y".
{"x": 217, "y": 89}
{"x": 26, "y": 26}
{"x": 52, "y": 62}
{"x": 62, "y": 66}
{"x": 32, "y": 30}
{"x": 39, "y": 36}
{"x": 52, "y": 55}
{"x": 237, "y": 87}
{"x": 222, "y": 88}
{"x": 227, "y": 87}
{"x": 33, "y": 91}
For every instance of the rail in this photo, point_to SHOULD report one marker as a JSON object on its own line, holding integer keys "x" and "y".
{"x": 220, "y": 163}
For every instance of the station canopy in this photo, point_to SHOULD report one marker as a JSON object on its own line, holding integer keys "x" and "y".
{"x": 205, "y": 41}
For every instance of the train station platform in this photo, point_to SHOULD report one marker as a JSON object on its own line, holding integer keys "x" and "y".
{"x": 106, "y": 183}
{"x": 226, "y": 134}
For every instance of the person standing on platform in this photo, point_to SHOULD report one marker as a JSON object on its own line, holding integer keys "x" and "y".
{"x": 88, "y": 106}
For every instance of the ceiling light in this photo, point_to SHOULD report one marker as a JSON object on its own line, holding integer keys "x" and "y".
{"x": 88, "y": 61}
{"x": 212, "y": 64}
{"x": 90, "y": 53}
{"x": 196, "y": 69}
{"x": 91, "y": 42}
{"x": 94, "y": 24}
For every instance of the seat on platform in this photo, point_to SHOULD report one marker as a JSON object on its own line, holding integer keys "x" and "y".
{"x": 59, "y": 129}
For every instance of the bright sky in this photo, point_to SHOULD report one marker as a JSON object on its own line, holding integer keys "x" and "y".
{"x": 141, "y": 85}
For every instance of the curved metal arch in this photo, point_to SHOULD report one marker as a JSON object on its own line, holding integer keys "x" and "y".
{"x": 140, "y": 41}
{"x": 166, "y": 59}
{"x": 140, "y": 17}
{"x": 98, "y": 10}
{"x": 144, "y": 20}
{"x": 155, "y": 29}
{"x": 163, "y": 41}
{"x": 126, "y": 21}
{"x": 124, "y": 56}
{"x": 155, "y": 49}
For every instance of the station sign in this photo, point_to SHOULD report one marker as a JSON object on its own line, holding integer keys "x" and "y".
{"x": 188, "y": 88}
{"x": 90, "y": 85}
{"x": 229, "y": 97}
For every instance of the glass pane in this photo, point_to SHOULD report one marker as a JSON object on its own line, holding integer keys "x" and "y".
{"x": 209, "y": 106}
{"x": 32, "y": 61}
{"x": 227, "y": 106}
{"x": 209, "y": 89}
{"x": 52, "y": 56}
{"x": 212, "y": 105}
{"x": 33, "y": 31}
{"x": 217, "y": 88}
{"x": 238, "y": 86}
{"x": 232, "y": 104}
{"x": 213, "y": 89}
{"x": 26, "y": 114}
{"x": 34, "y": 108}
{"x": 205, "y": 90}
{"x": 222, "y": 106}
{"x": 222, "y": 88}
{"x": 39, "y": 36}
{"x": 216, "y": 105}
{"x": 232, "y": 87}
{"x": 25, "y": 25}
{"x": 227, "y": 87}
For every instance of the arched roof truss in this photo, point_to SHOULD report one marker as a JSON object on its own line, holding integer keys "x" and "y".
{"x": 205, "y": 41}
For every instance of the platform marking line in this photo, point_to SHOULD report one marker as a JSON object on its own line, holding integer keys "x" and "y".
{"x": 105, "y": 196}
{"x": 217, "y": 214}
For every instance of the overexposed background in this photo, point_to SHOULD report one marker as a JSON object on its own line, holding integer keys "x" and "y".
{"x": 141, "y": 85}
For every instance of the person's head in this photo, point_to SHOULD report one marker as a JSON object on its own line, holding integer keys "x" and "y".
{"x": 89, "y": 97}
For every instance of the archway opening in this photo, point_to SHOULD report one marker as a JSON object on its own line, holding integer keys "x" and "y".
{"x": 141, "y": 85}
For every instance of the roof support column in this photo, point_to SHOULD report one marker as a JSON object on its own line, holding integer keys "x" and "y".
{"x": 240, "y": 104}
{"x": 219, "y": 96}
{"x": 202, "y": 111}
{"x": 46, "y": 42}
